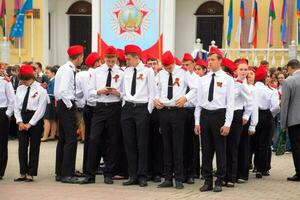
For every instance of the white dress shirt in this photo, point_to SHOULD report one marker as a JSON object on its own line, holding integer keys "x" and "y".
{"x": 98, "y": 82}
{"x": 194, "y": 79}
{"x": 180, "y": 83}
{"x": 64, "y": 88}
{"x": 83, "y": 79}
{"x": 267, "y": 98}
{"x": 223, "y": 96}
{"x": 253, "y": 109}
{"x": 7, "y": 96}
{"x": 145, "y": 85}
{"x": 242, "y": 95}
{"x": 37, "y": 101}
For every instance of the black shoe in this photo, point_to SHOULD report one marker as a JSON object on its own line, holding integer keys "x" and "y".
{"x": 156, "y": 179}
{"x": 57, "y": 178}
{"x": 266, "y": 173}
{"x": 108, "y": 180}
{"x": 190, "y": 181}
{"x": 20, "y": 179}
{"x": 88, "y": 180}
{"x": 1, "y": 177}
{"x": 178, "y": 185}
{"x": 143, "y": 182}
{"x": 70, "y": 180}
{"x": 294, "y": 178}
{"x": 258, "y": 175}
{"x": 230, "y": 184}
{"x": 206, "y": 187}
{"x": 217, "y": 188}
{"x": 79, "y": 174}
{"x": 131, "y": 181}
{"x": 250, "y": 166}
{"x": 165, "y": 184}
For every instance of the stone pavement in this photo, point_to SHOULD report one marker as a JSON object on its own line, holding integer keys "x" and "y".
{"x": 274, "y": 187}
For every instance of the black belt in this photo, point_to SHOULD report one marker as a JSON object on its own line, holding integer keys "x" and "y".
{"x": 218, "y": 111}
{"x": 261, "y": 110}
{"x": 107, "y": 104}
{"x": 28, "y": 112}
{"x": 172, "y": 108}
{"x": 3, "y": 109}
{"x": 189, "y": 108}
{"x": 135, "y": 105}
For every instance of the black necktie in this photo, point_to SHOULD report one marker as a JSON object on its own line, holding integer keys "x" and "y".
{"x": 211, "y": 88}
{"x": 170, "y": 87}
{"x": 108, "y": 80}
{"x": 133, "y": 83}
{"x": 25, "y": 101}
{"x": 187, "y": 90}
{"x": 75, "y": 81}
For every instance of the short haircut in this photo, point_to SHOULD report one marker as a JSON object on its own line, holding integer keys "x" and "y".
{"x": 39, "y": 65}
{"x": 264, "y": 62}
{"x": 52, "y": 69}
{"x": 294, "y": 64}
{"x": 218, "y": 56}
{"x": 132, "y": 54}
{"x": 75, "y": 56}
{"x": 26, "y": 77}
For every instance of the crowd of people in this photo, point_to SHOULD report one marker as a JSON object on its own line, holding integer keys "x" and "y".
{"x": 146, "y": 118}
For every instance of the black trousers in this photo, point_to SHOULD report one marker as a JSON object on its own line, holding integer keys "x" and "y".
{"x": 212, "y": 141}
{"x": 233, "y": 141}
{"x": 263, "y": 140}
{"x": 4, "y": 130}
{"x": 135, "y": 128}
{"x": 67, "y": 141}
{"x": 191, "y": 145}
{"x": 294, "y": 134}
{"x": 31, "y": 139}
{"x": 87, "y": 117}
{"x": 155, "y": 161}
{"x": 172, "y": 129}
{"x": 105, "y": 129}
{"x": 244, "y": 154}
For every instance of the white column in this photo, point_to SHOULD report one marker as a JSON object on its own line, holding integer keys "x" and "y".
{"x": 46, "y": 33}
{"x": 168, "y": 24}
{"x": 95, "y": 23}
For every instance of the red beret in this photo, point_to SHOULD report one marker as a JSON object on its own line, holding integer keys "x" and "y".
{"x": 121, "y": 55}
{"x": 214, "y": 50}
{"x": 260, "y": 73}
{"x": 131, "y": 48}
{"x": 91, "y": 59}
{"x": 75, "y": 50}
{"x": 177, "y": 61}
{"x": 201, "y": 62}
{"x": 26, "y": 70}
{"x": 167, "y": 58}
{"x": 262, "y": 66}
{"x": 187, "y": 57}
{"x": 229, "y": 64}
{"x": 110, "y": 50}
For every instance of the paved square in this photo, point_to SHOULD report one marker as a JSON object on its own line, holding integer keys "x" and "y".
{"x": 274, "y": 187}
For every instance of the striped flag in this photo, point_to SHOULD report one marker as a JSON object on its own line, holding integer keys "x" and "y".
{"x": 238, "y": 33}
{"x": 254, "y": 26}
{"x": 283, "y": 27}
{"x": 230, "y": 23}
{"x": 17, "y": 7}
{"x": 272, "y": 17}
{"x": 2, "y": 16}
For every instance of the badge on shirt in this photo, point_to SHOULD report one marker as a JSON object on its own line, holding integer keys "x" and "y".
{"x": 141, "y": 77}
{"x": 116, "y": 77}
{"x": 219, "y": 84}
{"x": 34, "y": 95}
{"x": 177, "y": 82}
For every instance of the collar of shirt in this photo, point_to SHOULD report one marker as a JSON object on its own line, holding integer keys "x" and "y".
{"x": 297, "y": 71}
{"x": 104, "y": 67}
{"x": 259, "y": 84}
{"x": 217, "y": 73}
{"x": 140, "y": 66}
{"x": 72, "y": 65}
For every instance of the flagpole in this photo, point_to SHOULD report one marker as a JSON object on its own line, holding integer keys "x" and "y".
{"x": 32, "y": 36}
{"x": 269, "y": 38}
{"x": 5, "y": 28}
{"x": 19, "y": 47}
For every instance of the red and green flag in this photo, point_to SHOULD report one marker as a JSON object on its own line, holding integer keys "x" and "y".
{"x": 2, "y": 16}
{"x": 272, "y": 17}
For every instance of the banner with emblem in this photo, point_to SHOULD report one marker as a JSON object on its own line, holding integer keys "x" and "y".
{"x": 131, "y": 22}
